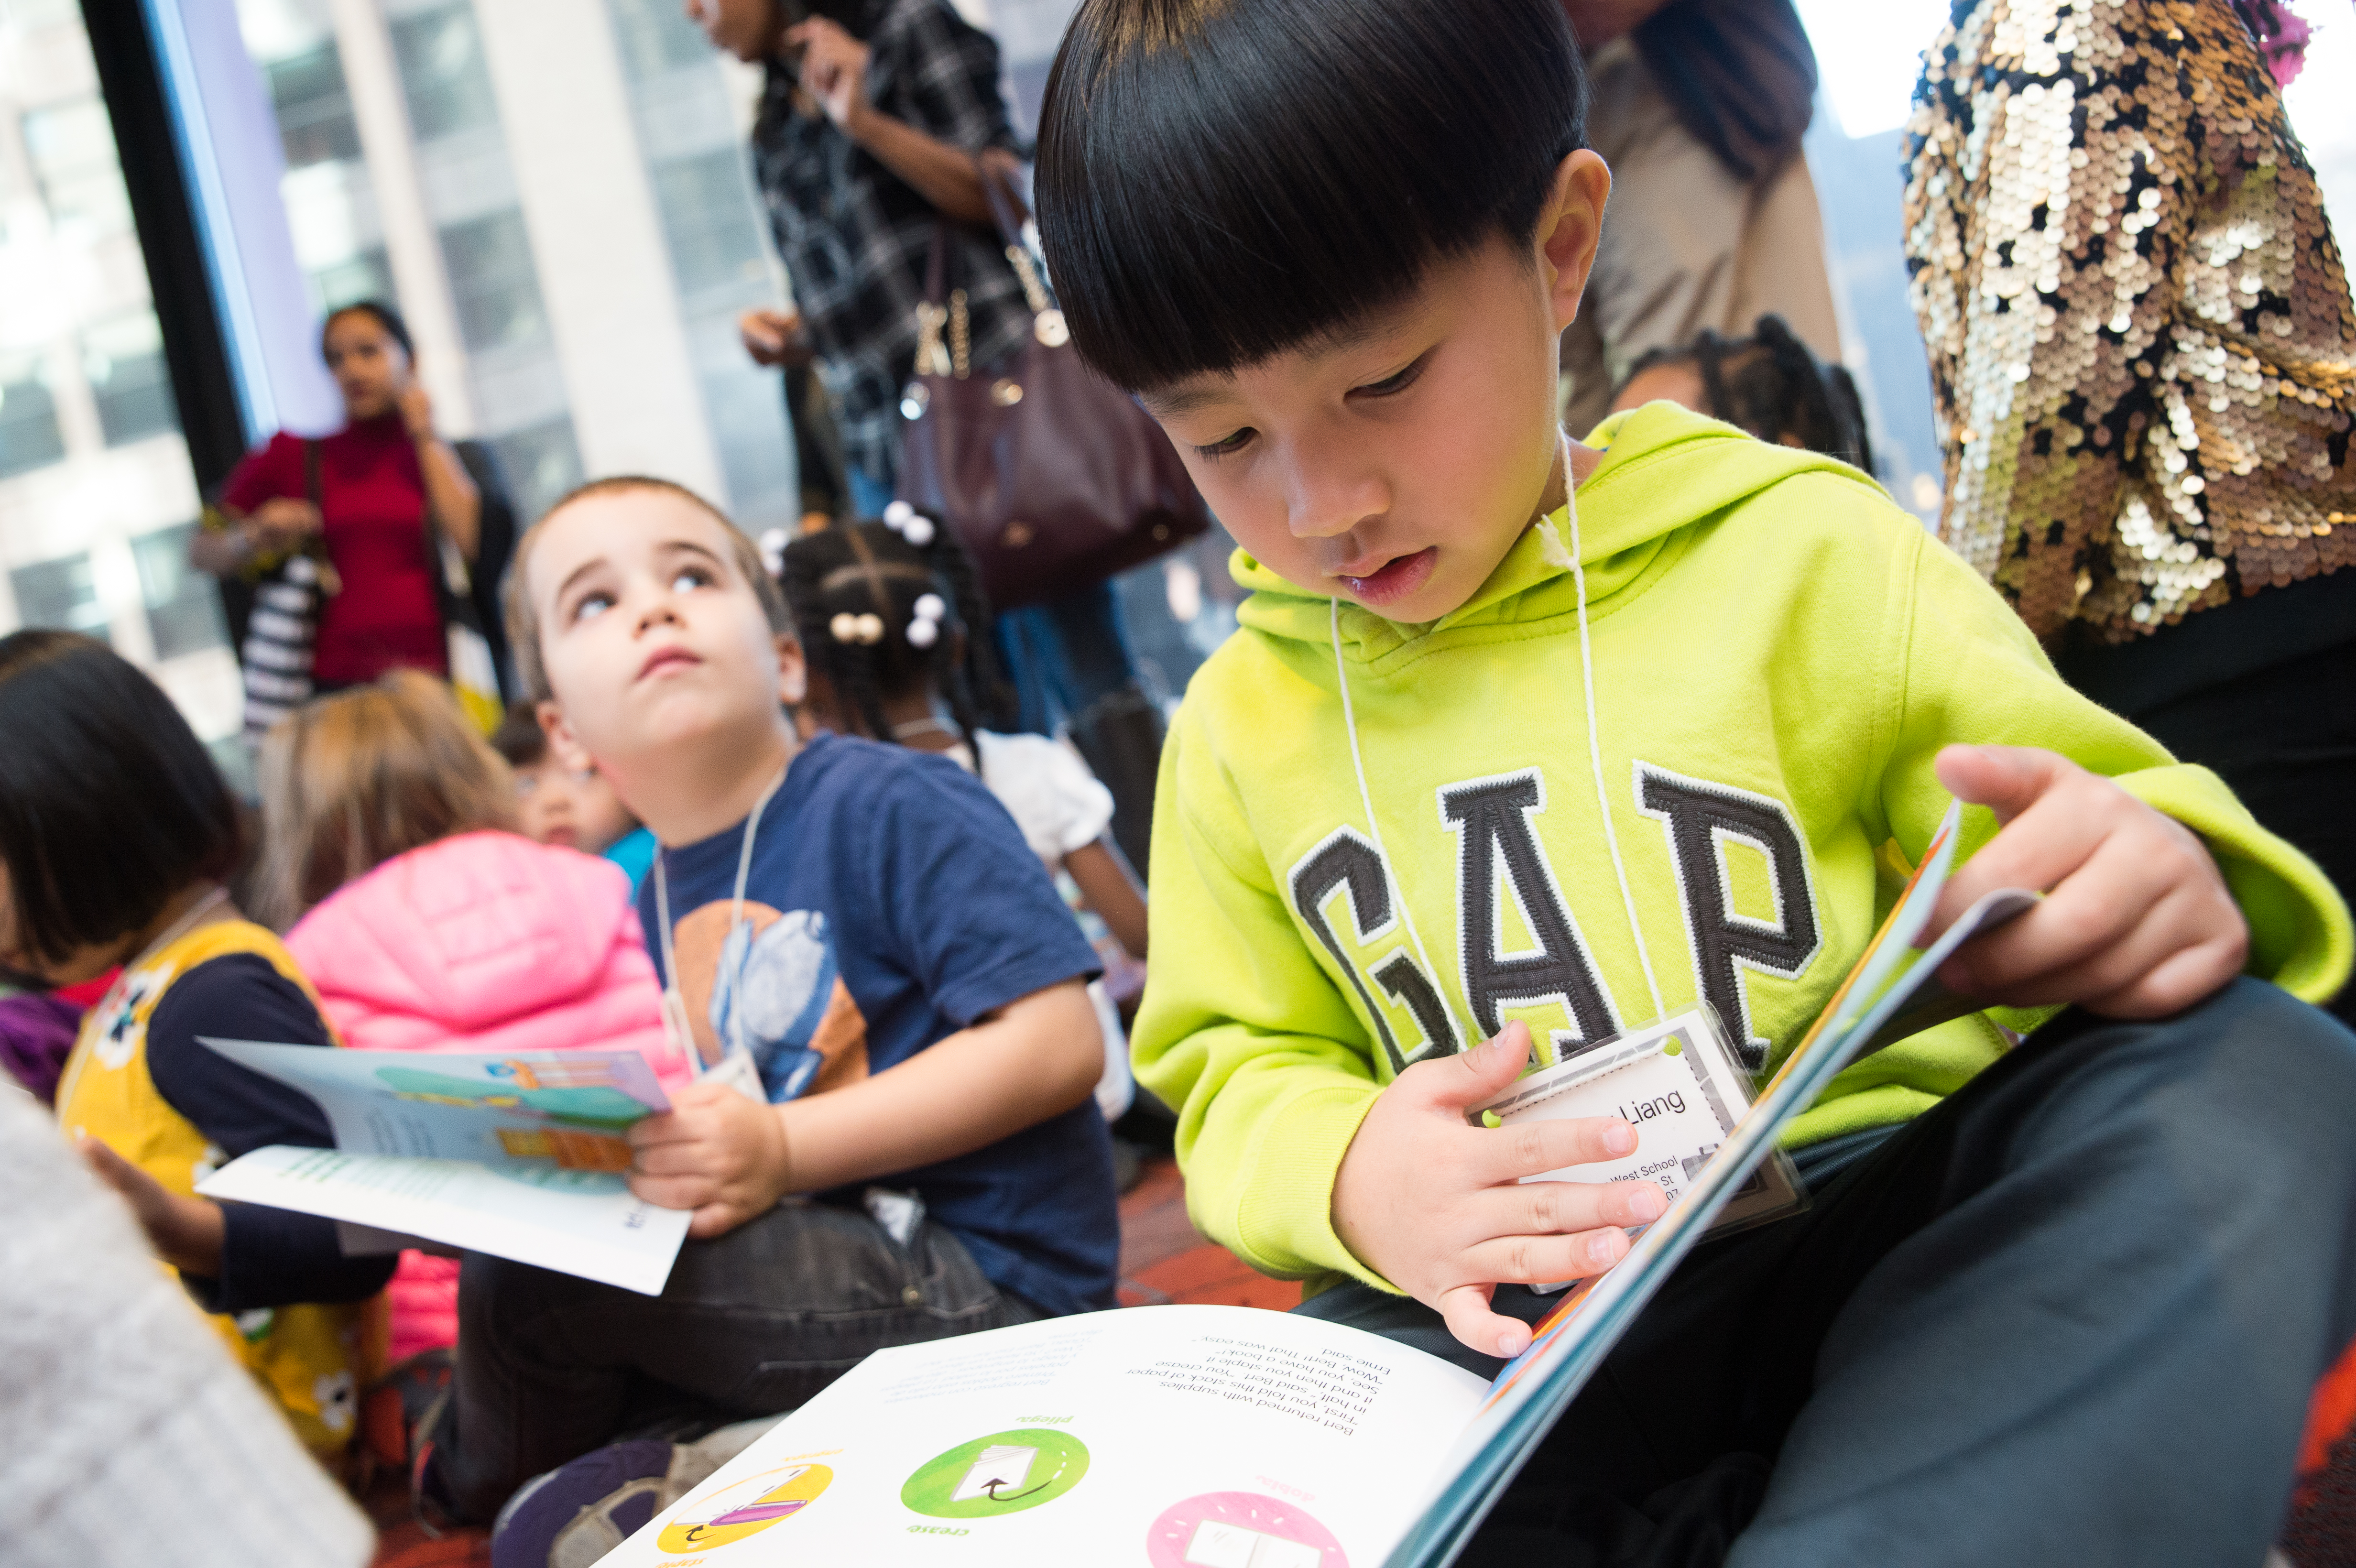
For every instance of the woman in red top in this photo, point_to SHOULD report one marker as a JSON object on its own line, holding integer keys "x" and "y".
{"x": 376, "y": 476}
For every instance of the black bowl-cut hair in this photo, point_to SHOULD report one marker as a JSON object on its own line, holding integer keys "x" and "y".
{"x": 108, "y": 803}
{"x": 1222, "y": 180}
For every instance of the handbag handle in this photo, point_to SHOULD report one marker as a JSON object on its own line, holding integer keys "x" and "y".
{"x": 935, "y": 356}
{"x": 996, "y": 166}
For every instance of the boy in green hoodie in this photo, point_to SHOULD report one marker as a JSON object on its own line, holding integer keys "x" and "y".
{"x": 1525, "y": 741}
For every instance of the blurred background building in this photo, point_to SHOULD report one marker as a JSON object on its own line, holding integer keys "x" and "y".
{"x": 553, "y": 192}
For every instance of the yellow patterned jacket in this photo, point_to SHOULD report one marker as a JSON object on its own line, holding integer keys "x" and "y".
{"x": 313, "y": 1359}
{"x": 2141, "y": 341}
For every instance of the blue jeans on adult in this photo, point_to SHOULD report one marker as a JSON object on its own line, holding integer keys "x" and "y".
{"x": 869, "y": 495}
{"x": 1065, "y": 655}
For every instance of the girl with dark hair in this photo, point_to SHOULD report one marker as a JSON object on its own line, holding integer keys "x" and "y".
{"x": 367, "y": 500}
{"x": 116, "y": 837}
{"x": 1770, "y": 383}
{"x": 898, "y": 639}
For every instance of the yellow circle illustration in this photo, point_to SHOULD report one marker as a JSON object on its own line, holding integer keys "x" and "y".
{"x": 748, "y": 1508}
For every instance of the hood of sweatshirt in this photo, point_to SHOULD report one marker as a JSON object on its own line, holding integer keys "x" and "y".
{"x": 469, "y": 933}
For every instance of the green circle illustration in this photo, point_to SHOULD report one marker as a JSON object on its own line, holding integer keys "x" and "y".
{"x": 1005, "y": 1472}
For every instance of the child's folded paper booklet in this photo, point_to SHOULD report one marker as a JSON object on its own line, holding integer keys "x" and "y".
{"x": 1225, "y": 1437}
{"x": 520, "y": 1154}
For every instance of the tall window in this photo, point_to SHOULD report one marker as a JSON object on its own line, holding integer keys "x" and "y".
{"x": 95, "y": 479}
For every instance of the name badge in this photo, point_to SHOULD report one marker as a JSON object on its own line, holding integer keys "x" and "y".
{"x": 1679, "y": 1085}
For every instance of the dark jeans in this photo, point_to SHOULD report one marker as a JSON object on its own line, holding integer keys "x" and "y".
{"x": 2285, "y": 739}
{"x": 1066, "y": 655}
{"x": 2070, "y": 1315}
{"x": 751, "y": 1323}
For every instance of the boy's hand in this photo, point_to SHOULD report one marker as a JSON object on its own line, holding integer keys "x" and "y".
{"x": 715, "y": 1152}
{"x": 1431, "y": 1202}
{"x": 2136, "y": 922}
{"x": 185, "y": 1231}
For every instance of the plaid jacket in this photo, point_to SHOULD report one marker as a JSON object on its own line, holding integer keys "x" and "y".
{"x": 856, "y": 239}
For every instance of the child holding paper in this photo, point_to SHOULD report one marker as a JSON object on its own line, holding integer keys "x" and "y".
{"x": 1524, "y": 741}
{"x": 864, "y": 927}
{"x": 116, "y": 837}
{"x": 427, "y": 923}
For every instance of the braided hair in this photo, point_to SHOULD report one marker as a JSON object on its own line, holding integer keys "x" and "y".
{"x": 1772, "y": 386}
{"x": 887, "y": 608}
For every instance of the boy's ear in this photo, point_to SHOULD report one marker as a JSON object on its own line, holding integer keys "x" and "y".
{"x": 793, "y": 674}
{"x": 1570, "y": 226}
{"x": 562, "y": 740}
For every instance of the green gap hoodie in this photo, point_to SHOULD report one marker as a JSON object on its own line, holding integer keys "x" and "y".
{"x": 1779, "y": 653}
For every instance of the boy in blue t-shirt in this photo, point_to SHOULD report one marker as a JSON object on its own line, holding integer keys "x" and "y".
{"x": 867, "y": 926}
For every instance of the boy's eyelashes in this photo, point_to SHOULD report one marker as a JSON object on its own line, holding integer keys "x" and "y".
{"x": 1390, "y": 385}
{"x": 1225, "y": 444}
{"x": 1396, "y": 382}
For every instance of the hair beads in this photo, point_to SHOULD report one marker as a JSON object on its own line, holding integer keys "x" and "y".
{"x": 888, "y": 607}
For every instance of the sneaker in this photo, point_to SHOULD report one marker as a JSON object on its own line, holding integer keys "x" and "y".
{"x": 575, "y": 1514}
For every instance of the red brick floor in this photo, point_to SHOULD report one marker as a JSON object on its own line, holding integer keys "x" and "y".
{"x": 1162, "y": 1259}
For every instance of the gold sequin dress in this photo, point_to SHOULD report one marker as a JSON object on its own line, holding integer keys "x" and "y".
{"x": 2142, "y": 346}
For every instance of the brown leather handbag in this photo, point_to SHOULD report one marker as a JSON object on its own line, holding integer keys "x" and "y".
{"x": 1053, "y": 477}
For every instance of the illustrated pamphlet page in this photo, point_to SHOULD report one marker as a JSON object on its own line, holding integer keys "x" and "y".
{"x": 1175, "y": 1437}
{"x": 520, "y": 1154}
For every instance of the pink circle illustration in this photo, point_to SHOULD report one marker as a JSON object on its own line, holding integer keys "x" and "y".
{"x": 1247, "y": 1530}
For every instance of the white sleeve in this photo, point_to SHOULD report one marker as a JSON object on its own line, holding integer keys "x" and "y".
{"x": 138, "y": 1440}
{"x": 1084, "y": 806}
{"x": 1046, "y": 788}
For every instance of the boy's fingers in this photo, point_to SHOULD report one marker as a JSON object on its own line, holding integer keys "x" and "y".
{"x": 1457, "y": 1083}
{"x": 2113, "y": 976}
{"x": 713, "y": 1220}
{"x": 2005, "y": 779}
{"x": 679, "y": 1156}
{"x": 2177, "y": 982}
{"x": 1533, "y": 1148}
{"x": 653, "y": 1132}
{"x": 2091, "y": 949}
{"x": 1562, "y": 1208}
{"x": 675, "y": 1191}
{"x": 2037, "y": 849}
{"x": 1466, "y": 1310}
{"x": 2088, "y": 912}
{"x": 1544, "y": 1260}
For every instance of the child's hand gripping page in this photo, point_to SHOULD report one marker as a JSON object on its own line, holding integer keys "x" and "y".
{"x": 1437, "y": 1206}
{"x": 2137, "y": 921}
{"x": 718, "y": 1153}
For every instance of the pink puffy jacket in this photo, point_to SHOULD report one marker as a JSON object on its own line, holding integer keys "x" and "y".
{"x": 484, "y": 941}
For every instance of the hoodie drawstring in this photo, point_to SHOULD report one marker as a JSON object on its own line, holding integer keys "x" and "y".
{"x": 1551, "y": 548}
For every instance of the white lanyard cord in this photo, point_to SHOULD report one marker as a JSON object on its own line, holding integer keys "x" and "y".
{"x": 1365, "y": 797}
{"x": 735, "y": 914}
{"x": 1550, "y": 545}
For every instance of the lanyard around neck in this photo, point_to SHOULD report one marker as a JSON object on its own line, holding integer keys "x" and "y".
{"x": 735, "y": 915}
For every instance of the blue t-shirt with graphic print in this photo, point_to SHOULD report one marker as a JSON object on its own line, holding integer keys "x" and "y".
{"x": 891, "y": 901}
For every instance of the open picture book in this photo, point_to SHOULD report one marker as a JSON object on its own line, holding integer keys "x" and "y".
{"x": 1229, "y": 1437}
{"x": 522, "y": 1155}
